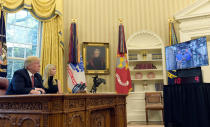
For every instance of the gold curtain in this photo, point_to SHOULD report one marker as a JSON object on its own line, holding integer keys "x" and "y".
{"x": 50, "y": 13}
{"x": 52, "y": 46}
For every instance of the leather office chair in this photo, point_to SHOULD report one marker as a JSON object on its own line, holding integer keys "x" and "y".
{"x": 153, "y": 101}
{"x": 4, "y": 83}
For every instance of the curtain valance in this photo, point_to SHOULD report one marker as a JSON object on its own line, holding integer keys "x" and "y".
{"x": 40, "y": 9}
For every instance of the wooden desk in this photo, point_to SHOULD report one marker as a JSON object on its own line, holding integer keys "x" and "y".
{"x": 78, "y": 110}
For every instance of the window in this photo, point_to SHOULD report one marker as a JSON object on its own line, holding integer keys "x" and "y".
{"x": 23, "y": 39}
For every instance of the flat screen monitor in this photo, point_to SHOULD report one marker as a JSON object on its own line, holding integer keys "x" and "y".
{"x": 188, "y": 54}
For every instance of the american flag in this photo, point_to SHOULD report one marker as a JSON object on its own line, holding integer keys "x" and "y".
{"x": 75, "y": 68}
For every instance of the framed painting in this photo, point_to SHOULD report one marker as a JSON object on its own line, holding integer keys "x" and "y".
{"x": 96, "y": 57}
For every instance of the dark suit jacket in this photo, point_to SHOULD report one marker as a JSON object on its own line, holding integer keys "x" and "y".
{"x": 21, "y": 82}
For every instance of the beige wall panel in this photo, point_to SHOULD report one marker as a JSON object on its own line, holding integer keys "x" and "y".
{"x": 98, "y": 22}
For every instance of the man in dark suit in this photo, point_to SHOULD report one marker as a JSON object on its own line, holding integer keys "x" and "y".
{"x": 27, "y": 80}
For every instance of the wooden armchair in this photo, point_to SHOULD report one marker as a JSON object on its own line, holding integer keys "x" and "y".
{"x": 153, "y": 101}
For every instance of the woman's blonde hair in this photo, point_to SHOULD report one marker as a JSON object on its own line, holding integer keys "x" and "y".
{"x": 46, "y": 76}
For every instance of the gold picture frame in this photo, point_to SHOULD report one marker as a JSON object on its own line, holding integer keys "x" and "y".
{"x": 96, "y": 57}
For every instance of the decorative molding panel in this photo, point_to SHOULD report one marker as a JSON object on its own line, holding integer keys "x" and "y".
{"x": 21, "y": 106}
{"x": 98, "y": 120}
{"x": 144, "y": 39}
{"x": 198, "y": 9}
{"x": 76, "y": 119}
{"x": 28, "y": 121}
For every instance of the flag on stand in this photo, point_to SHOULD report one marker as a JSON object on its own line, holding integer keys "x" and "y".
{"x": 172, "y": 34}
{"x": 123, "y": 78}
{"x": 172, "y": 40}
{"x": 3, "y": 47}
{"x": 75, "y": 68}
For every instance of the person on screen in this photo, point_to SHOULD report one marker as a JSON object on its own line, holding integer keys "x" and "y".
{"x": 187, "y": 58}
{"x": 51, "y": 84}
{"x": 96, "y": 62}
{"x": 179, "y": 59}
{"x": 27, "y": 80}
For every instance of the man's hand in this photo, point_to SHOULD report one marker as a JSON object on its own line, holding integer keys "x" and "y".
{"x": 40, "y": 89}
{"x": 35, "y": 92}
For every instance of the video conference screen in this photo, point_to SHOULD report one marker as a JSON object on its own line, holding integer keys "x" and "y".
{"x": 188, "y": 54}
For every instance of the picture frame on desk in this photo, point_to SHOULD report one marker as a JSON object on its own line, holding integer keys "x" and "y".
{"x": 96, "y": 57}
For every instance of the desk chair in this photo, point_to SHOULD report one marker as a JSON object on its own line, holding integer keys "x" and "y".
{"x": 4, "y": 83}
{"x": 153, "y": 101}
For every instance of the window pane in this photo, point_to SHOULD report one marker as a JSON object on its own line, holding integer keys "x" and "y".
{"x": 12, "y": 66}
{"x": 21, "y": 35}
{"x": 19, "y": 52}
{"x": 21, "y": 17}
{"x": 9, "y": 51}
{"x": 32, "y": 22}
{"x": 34, "y": 36}
{"x": 9, "y": 68}
{"x": 29, "y": 52}
{"x": 22, "y": 39}
{"x": 10, "y": 35}
{"x": 18, "y": 64}
{"x": 11, "y": 18}
{"x": 34, "y": 50}
{"x": 21, "y": 14}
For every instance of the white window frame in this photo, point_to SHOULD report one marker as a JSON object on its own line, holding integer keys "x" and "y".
{"x": 38, "y": 53}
